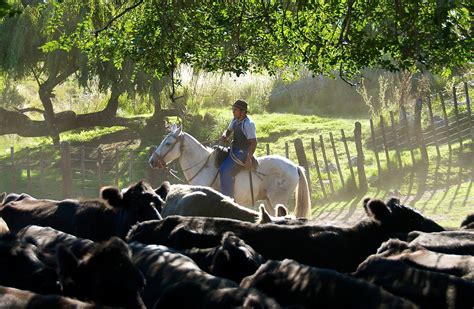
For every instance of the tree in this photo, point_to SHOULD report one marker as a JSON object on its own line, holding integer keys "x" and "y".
{"x": 32, "y": 52}
{"x": 135, "y": 39}
{"x": 326, "y": 36}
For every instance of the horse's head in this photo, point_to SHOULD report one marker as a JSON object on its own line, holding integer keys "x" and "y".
{"x": 169, "y": 149}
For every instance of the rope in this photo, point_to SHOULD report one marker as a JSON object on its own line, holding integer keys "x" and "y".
{"x": 172, "y": 173}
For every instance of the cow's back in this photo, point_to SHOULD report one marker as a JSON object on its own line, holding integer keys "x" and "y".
{"x": 18, "y": 214}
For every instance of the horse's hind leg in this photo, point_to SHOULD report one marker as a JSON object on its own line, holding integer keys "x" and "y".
{"x": 280, "y": 197}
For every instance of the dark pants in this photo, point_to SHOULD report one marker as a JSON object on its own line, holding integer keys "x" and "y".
{"x": 229, "y": 169}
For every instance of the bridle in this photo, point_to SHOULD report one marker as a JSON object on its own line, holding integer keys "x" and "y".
{"x": 160, "y": 158}
{"x": 180, "y": 139}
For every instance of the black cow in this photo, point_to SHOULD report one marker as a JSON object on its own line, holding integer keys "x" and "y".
{"x": 92, "y": 219}
{"x": 427, "y": 289}
{"x": 419, "y": 257}
{"x": 202, "y": 201}
{"x": 451, "y": 242}
{"x": 232, "y": 259}
{"x": 101, "y": 273}
{"x": 468, "y": 223}
{"x": 14, "y": 298}
{"x": 321, "y": 246}
{"x": 291, "y": 283}
{"x": 48, "y": 239}
{"x": 21, "y": 267}
{"x": 14, "y": 197}
{"x": 174, "y": 280}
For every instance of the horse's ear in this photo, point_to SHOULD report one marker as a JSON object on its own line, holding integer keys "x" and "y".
{"x": 173, "y": 127}
{"x": 263, "y": 216}
{"x": 179, "y": 130}
{"x": 280, "y": 210}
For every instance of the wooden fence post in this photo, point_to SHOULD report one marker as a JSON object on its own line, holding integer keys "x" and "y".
{"x": 384, "y": 139}
{"x": 13, "y": 169}
{"x": 469, "y": 112}
{"x": 99, "y": 165}
{"x": 41, "y": 173}
{"x": 456, "y": 112}
{"x": 408, "y": 136}
{"x": 337, "y": 160}
{"x": 331, "y": 185}
{"x": 434, "y": 130}
{"x": 316, "y": 164}
{"x": 117, "y": 167}
{"x": 151, "y": 172}
{"x": 28, "y": 169}
{"x": 83, "y": 170}
{"x": 360, "y": 157}
{"x": 302, "y": 161}
{"x": 66, "y": 169}
{"x": 419, "y": 131}
{"x": 446, "y": 124}
{"x": 130, "y": 167}
{"x": 346, "y": 148}
{"x": 287, "y": 150}
{"x": 268, "y": 149}
{"x": 395, "y": 139}
{"x": 372, "y": 132}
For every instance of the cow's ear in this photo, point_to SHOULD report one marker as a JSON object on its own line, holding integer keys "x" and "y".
{"x": 67, "y": 261}
{"x": 365, "y": 202}
{"x": 118, "y": 245}
{"x": 163, "y": 190}
{"x": 220, "y": 262}
{"x": 230, "y": 239}
{"x": 112, "y": 195}
{"x": 378, "y": 210}
{"x": 280, "y": 210}
{"x": 2, "y": 197}
{"x": 393, "y": 202}
{"x": 263, "y": 216}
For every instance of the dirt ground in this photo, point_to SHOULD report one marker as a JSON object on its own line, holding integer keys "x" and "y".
{"x": 448, "y": 207}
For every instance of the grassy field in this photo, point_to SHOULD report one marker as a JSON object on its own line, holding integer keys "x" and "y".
{"x": 443, "y": 190}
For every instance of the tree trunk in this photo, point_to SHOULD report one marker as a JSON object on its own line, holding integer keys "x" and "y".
{"x": 45, "y": 94}
{"x": 17, "y": 123}
{"x": 155, "y": 125}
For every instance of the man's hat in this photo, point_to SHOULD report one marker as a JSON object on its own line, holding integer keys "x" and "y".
{"x": 241, "y": 104}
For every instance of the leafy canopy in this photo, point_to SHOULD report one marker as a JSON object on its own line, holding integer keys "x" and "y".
{"x": 327, "y": 36}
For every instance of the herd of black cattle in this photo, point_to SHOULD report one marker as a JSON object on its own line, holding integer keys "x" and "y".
{"x": 117, "y": 251}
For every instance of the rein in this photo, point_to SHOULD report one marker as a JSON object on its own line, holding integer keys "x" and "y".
{"x": 173, "y": 172}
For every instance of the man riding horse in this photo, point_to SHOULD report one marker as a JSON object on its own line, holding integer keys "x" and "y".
{"x": 243, "y": 146}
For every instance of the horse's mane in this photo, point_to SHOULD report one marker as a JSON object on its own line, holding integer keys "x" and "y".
{"x": 208, "y": 149}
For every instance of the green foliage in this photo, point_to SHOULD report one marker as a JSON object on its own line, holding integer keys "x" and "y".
{"x": 83, "y": 136}
{"x": 10, "y": 96}
{"x": 330, "y": 37}
{"x": 7, "y": 10}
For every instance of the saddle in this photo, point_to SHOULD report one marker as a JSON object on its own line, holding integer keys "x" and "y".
{"x": 223, "y": 152}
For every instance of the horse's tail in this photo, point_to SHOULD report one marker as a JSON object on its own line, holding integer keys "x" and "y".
{"x": 303, "y": 201}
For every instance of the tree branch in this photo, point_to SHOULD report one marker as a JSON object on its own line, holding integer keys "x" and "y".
{"x": 341, "y": 75}
{"x": 345, "y": 23}
{"x": 96, "y": 32}
{"x": 29, "y": 109}
{"x": 36, "y": 76}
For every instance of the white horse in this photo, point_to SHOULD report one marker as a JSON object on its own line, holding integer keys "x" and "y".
{"x": 274, "y": 180}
